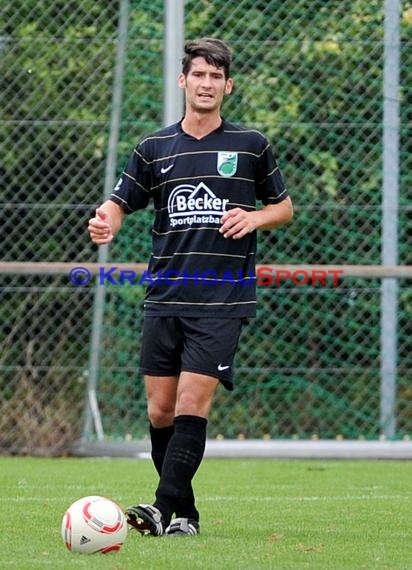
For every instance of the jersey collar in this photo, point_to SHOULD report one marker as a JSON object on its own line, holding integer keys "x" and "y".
{"x": 219, "y": 129}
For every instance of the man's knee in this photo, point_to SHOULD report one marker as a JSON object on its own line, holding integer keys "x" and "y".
{"x": 188, "y": 404}
{"x": 161, "y": 398}
{"x": 195, "y": 394}
{"x": 160, "y": 416}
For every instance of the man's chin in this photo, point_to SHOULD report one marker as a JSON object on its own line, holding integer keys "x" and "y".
{"x": 206, "y": 107}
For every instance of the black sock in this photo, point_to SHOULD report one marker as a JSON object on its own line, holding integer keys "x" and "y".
{"x": 182, "y": 459}
{"x": 160, "y": 438}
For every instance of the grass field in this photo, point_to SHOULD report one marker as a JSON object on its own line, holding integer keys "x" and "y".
{"x": 256, "y": 514}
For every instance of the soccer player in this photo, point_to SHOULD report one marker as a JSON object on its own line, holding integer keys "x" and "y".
{"x": 204, "y": 176}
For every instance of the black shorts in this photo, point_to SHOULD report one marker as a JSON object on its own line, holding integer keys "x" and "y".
{"x": 203, "y": 345}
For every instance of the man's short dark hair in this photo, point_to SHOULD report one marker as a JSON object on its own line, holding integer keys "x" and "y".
{"x": 215, "y": 52}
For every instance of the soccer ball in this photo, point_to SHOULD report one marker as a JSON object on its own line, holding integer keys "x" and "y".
{"x": 94, "y": 524}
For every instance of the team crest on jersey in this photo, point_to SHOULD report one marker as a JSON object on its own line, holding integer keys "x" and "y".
{"x": 226, "y": 163}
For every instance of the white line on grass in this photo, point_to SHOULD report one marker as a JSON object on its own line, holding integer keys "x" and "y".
{"x": 250, "y": 499}
{"x": 311, "y": 498}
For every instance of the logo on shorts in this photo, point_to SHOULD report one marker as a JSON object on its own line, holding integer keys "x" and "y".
{"x": 220, "y": 367}
{"x": 188, "y": 204}
{"x": 226, "y": 163}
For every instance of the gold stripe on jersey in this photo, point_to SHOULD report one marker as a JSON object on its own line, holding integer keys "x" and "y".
{"x": 235, "y": 204}
{"x": 135, "y": 181}
{"x": 214, "y": 176}
{"x": 160, "y": 137}
{"x": 212, "y": 280}
{"x": 192, "y": 153}
{"x": 213, "y": 254}
{"x": 263, "y": 151}
{"x": 140, "y": 155}
{"x": 277, "y": 197}
{"x": 243, "y": 132}
{"x": 121, "y": 200}
{"x": 268, "y": 176}
{"x": 185, "y": 230}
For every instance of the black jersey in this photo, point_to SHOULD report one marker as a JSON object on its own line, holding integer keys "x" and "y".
{"x": 193, "y": 269}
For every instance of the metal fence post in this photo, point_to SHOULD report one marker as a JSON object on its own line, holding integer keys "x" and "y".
{"x": 390, "y": 217}
{"x": 173, "y": 50}
{"x": 92, "y": 413}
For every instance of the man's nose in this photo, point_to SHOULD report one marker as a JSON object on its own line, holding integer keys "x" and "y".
{"x": 206, "y": 82}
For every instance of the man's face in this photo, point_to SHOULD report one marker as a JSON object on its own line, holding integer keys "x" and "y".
{"x": 205, "y": 86}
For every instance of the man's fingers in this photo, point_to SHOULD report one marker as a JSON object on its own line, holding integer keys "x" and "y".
{"x": 98, "y": 224}
{"x": 102, "y": 215}
{"x": 234, "y": 231}
{"x": 237, "y": 222}
{"x": 100, "y": 231}
{"x": 229, "y": 214}
{"x": 100, "y": 237}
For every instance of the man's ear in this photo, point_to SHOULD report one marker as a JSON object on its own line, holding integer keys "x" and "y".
{"x": 229, "y": 86}
{"x": 181, "y": 81}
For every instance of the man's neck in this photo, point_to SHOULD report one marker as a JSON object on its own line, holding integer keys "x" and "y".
{"x": 199, "y": 125}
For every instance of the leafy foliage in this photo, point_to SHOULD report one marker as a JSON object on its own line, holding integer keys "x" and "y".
{"x": 309, "y": 75}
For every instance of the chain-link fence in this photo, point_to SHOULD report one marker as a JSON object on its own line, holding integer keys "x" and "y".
{"x": 310, "y": 75}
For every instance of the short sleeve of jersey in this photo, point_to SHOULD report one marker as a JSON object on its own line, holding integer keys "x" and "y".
{"x": 132, "y": 191}
{"x": 270, "y": 187}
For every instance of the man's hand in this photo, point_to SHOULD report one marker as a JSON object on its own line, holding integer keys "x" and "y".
{"x": 101, "y": 227}
{"x": 237, "y": 223}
